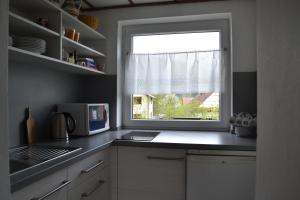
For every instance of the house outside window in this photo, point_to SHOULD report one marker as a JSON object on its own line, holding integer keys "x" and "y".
{"x": 142, "y": 106}
{"x": 200, "y": 110}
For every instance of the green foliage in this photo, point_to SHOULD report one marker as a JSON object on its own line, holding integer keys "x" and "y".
{"x": 172, "y": 107}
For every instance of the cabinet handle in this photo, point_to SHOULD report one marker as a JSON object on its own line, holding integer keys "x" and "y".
{"x": 87, "y": 194}
{"x": 164, "y": 158}
{"x": 64, "y": 184}
{"x": 93, "y": 167}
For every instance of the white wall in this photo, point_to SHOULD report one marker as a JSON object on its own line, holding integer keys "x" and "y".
{"x": 243, "y": 25}
{"x": 278, "y": 169}
{"x": 4, "y": 184}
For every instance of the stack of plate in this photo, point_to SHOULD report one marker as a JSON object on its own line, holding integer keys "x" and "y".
{"x": 31, "y": 44}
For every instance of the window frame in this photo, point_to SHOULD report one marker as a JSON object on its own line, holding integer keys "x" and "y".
{"x": 221, "y": 25}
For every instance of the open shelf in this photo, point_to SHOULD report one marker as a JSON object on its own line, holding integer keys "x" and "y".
{"x": 86, "y": 32}
{"x": 22, "y": 11}
{"x": 21, "y": 26}
{"x": 81, "y": 49}
{"x": 34, "y": 5}
{"x": 25, "y": 57}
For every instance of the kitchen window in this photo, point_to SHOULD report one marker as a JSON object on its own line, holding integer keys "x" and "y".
{"x": 177, "y": 75}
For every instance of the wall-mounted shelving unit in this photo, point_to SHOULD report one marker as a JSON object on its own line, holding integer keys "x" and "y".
{"x": 34, "y": 5}
{"x": 87, "y": 33}
{"x": 22, "y": 17}
{"x": 80, "y": 48}
{"x": 30, "y": 58}
{"x": 19, "y": 24}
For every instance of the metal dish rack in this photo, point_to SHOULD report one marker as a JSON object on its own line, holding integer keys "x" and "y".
{"x": 33, "y": 155}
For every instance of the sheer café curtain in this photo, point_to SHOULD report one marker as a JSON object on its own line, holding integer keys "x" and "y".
{"x": 179, "y": 73}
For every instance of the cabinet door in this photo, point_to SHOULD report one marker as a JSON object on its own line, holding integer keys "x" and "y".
{"x": 99, "y": 192}
{"x": 95, "y": 188}
{"x": 151, "y": 174}
{"x": 88, "y": 168}
{"x": 53, "y": 187}
{"x": 58, "y": 195}
{"x": 220, "y": 177}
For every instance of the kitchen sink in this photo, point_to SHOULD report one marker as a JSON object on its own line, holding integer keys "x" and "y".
{"x": 140, "y": 136}
{"x": 28, "y": 156}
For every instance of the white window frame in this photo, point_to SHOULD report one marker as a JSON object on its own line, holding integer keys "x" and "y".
{"x": 222, "y": 25}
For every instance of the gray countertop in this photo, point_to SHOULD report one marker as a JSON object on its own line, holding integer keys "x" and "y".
{"x": 166, "y": 139}
{"x": 197, "y": 140}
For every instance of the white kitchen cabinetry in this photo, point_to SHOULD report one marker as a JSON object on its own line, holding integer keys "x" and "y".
{"x": 53, "y": 187}
{"x": 151, "y": 174}
{"x": 217, "y": 175}
{"x": 87, "y": 179}
{"x": 94, "y": 188}
{"x": 90, "y": 179}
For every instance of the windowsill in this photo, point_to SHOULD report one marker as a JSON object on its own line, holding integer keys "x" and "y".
{"x": 211, "y": 129}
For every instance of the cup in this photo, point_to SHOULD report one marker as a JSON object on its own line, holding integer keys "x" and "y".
{"x": 70, "y": 33}
{"x": 76, "y": 37}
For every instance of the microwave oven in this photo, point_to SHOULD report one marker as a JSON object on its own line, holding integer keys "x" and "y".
{"x": 90, "y": 118}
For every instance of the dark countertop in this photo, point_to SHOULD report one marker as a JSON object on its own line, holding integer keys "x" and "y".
{"x": 208, "y": 140}
{"x": 166, "y": 139}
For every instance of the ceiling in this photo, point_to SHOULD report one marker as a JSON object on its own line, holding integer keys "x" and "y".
{"x": 111, "y": 4}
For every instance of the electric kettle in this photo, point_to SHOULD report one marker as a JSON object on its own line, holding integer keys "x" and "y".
{"x": 61, "y": 124}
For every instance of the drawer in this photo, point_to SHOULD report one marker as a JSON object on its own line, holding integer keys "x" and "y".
{"x": 51, "y": 187}
{"x": 88, "y": 167}
{"x": 94, "y": 188}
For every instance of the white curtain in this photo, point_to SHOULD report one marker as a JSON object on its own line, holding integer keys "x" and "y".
{"x": 179, "y": 73}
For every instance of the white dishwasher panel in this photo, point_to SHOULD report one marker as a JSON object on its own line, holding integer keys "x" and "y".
{"x": 212, "y": 177}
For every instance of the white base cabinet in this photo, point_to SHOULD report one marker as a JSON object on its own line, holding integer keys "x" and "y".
{"x": 95, "y": 188}
{"x": 87, "y": 179}
{"x": 220, "y": 177}
{"x": 53, "y": 187}
{"x": 90, "y": 178}
{"x": 138, "y": 173}
{"x": 151, "y": 174}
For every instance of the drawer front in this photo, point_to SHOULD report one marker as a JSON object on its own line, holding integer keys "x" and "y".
{"x": 94, "y": 188}
{"x": 52, "y": 187}
{"x": 151, "y": 173}
{"x": 87, "y": 168}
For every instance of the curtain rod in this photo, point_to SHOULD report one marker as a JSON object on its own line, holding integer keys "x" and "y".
{"x": 224, "y": 49}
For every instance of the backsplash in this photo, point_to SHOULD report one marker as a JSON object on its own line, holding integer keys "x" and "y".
{"x": 245, "y": 92}
{"x": 42, "y": 89}
{"x": 103, "y": 90}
